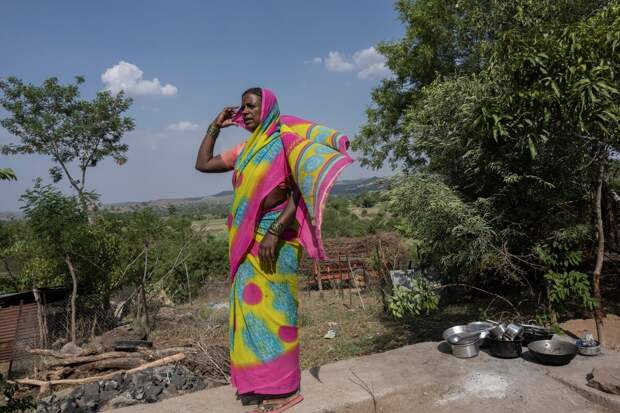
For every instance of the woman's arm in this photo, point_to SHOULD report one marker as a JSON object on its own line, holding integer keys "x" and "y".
{"x": 267, "y": 249}
{"x": 206, "y": 162}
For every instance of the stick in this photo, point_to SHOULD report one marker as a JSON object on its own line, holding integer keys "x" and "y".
{"x": 88, "y": 359}
{"x": 481, "y": 290}
{"x": 354, "y": 282}
{"x": 85, "y": 380}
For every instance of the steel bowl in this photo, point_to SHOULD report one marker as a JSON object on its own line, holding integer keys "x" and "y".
{"x": 553, "y": 352}
{"x": 588, "y": 350}
{"x": 484, "y": 327}
{"x": 456, "y": 330}
{"x": 498, "y": 331}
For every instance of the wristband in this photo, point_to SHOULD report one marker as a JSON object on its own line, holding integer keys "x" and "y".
{"x": 213, "y": 130}
{"x": 277, "y": 228}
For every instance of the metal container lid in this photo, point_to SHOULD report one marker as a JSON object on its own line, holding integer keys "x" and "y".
{"x": 458, "y": 340}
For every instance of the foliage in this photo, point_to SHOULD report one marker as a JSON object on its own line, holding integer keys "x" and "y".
{"x": 413, "y": 301}
{"x": 7, "y": 174}
{"x": 11, "y": 403}
{"x": 558, "y": 256}
{"x": 454, "y": 236}
{"x": 52, "y": 120}
{"x": 513, "y": 109}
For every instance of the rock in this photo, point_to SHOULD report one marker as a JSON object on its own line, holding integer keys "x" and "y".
{"x": 126, "y": 332}
{"x": 110, "y": 385}
{"x": 152, "y": 391}
{"x": 71, "y": 349}
{"x": 178, "y": 381}
{"x": 48, "y": 400}
{"x": 68, "y": 406}
{"x": 122, "y": 401}
{"x": 606, "y": 379}
{"x": 95, "y": 345}
{"x": 91, "y": 407}
{"x": 107, "y": 395}
{"x": 77, "y": 393}
{"x": 56, "y": 345}
{"x": 91, "y": 391}
{"x": 141, "y": 379}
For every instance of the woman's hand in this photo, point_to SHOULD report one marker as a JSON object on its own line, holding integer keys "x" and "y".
{"x": 224, "y": 118}
{"x": 267, "y": 249}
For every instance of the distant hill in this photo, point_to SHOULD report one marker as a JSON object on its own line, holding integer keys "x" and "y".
{"x": 345, "y": 187}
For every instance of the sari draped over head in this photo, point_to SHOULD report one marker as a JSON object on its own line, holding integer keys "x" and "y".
{"x": 313, "y": 155}
{"x": 264, "y": 344}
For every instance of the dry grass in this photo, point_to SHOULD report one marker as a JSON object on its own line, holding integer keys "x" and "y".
{"x": 360, "y": 331}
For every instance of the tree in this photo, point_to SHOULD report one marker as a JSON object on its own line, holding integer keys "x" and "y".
{"x": 60, "y": 224}
{"x": 53, "y": 120}
{"x": 514, "y": 106}
{"x": 7, "y": 174}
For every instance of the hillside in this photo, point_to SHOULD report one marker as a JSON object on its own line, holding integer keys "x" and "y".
{"x": 344, "y": 187}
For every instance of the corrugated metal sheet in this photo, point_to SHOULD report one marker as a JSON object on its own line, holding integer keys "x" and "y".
{"x": 17, "y": 336}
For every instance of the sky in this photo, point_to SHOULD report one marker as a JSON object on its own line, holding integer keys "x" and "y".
{"x": 182, "y": 62}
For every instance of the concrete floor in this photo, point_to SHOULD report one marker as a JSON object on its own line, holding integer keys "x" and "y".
{"x": 425, "y": 377}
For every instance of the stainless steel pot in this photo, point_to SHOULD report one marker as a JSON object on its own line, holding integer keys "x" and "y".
{"x": 590, "y": 350}
{"x": 498, "y": 331}
{"x": 513, "y": 332}
{"x": 465, "y": 351}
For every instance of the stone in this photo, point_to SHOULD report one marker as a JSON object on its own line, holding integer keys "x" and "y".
{"x": 107, "y": 395}
{"x": 71, "y": 349}
{"x": 141, "y": 379}
{"x": 68, "y": 406}
{"x": 152, "y": 391}
{"x": 110, "y": 385}
{"x": 77, "y": 393}
{"x": 122, "y": 401}
{"x": 178, "y": 381}
{"x": 49, "y": 399}
{"x": 91, "y": 391}
{"x": 606, "y": 379}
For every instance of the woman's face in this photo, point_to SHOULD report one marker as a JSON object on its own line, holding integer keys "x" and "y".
{"x": 250, "y": 110}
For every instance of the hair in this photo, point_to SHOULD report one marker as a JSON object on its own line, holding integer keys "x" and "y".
{"x": 254, "y": 91}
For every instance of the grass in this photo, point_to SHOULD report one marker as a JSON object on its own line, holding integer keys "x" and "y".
{"x": 359, "y": 332}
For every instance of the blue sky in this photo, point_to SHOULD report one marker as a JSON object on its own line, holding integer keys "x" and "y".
{"x": 182, "y": 62}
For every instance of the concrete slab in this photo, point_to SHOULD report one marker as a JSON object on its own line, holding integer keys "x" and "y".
{"x": 425, "y": 377}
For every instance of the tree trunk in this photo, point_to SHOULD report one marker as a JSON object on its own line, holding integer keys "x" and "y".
{"x": 600, "y": 252}
{"x": 73, "y": 296}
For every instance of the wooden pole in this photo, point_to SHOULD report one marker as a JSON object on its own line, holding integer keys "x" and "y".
{"x": 16, "y": 332}
{"x": 355, "y": 283}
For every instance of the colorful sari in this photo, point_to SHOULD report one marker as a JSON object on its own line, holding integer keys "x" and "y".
{"x": 264, "y": 342}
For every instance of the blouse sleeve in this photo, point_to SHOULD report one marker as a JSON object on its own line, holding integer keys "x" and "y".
{"x": 230, "y": 156}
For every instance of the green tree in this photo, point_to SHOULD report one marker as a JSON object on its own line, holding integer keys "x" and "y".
{"x": 60, "y": 226}
{"x": 514, "y": 106}
{"x": 7, "y": 174}
{"x": 53, "y": 120}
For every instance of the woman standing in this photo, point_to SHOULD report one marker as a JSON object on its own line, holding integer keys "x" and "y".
{"x": 282, "y": 176}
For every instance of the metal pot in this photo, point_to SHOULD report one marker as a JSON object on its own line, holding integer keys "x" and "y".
{"x": 513, "y": 331}
{"x": 505, "y": 349}
{"x": 484, "y": 327}
{"x": 588, "y": 350}
{"x": 553, "y": 352}
{"x": 467, "y": 350}
{"x": 498, "y": 331}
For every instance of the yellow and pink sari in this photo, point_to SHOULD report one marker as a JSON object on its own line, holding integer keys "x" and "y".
{"x": 264, "y": 342}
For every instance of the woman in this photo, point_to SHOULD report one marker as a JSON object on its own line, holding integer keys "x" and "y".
{"x": 282, "y": 176}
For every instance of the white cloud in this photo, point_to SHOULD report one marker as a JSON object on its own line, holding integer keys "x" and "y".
{"x": 313, "y": 61}
{"x": 335, "y": 62}
{"x": 368, "y": 63}
{"x": 128, "y": 77}
{"x": 183, "y": 126}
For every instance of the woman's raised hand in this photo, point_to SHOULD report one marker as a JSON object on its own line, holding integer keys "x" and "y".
{"x": 224, "y": 118}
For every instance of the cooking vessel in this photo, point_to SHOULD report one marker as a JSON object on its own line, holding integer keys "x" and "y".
{"x": 591, "y": 350}
{"x": 553, "y": 352}
{"x": 468, "y": 350}
{"x": 513, "y": 332}
{"x": 535, "y": 333}
{"x": 508, "y": 349}
{"x": 484, "y": 327}
{"x": 456, "y": 330}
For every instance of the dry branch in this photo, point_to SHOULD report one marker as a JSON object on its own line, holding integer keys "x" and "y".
{"x": 88, "y": 359}
{"x": 85, "y": 380}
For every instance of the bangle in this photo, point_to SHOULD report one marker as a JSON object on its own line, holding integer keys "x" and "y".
{"x": 213, "y": 130}
{"x": 277, "y": 228}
